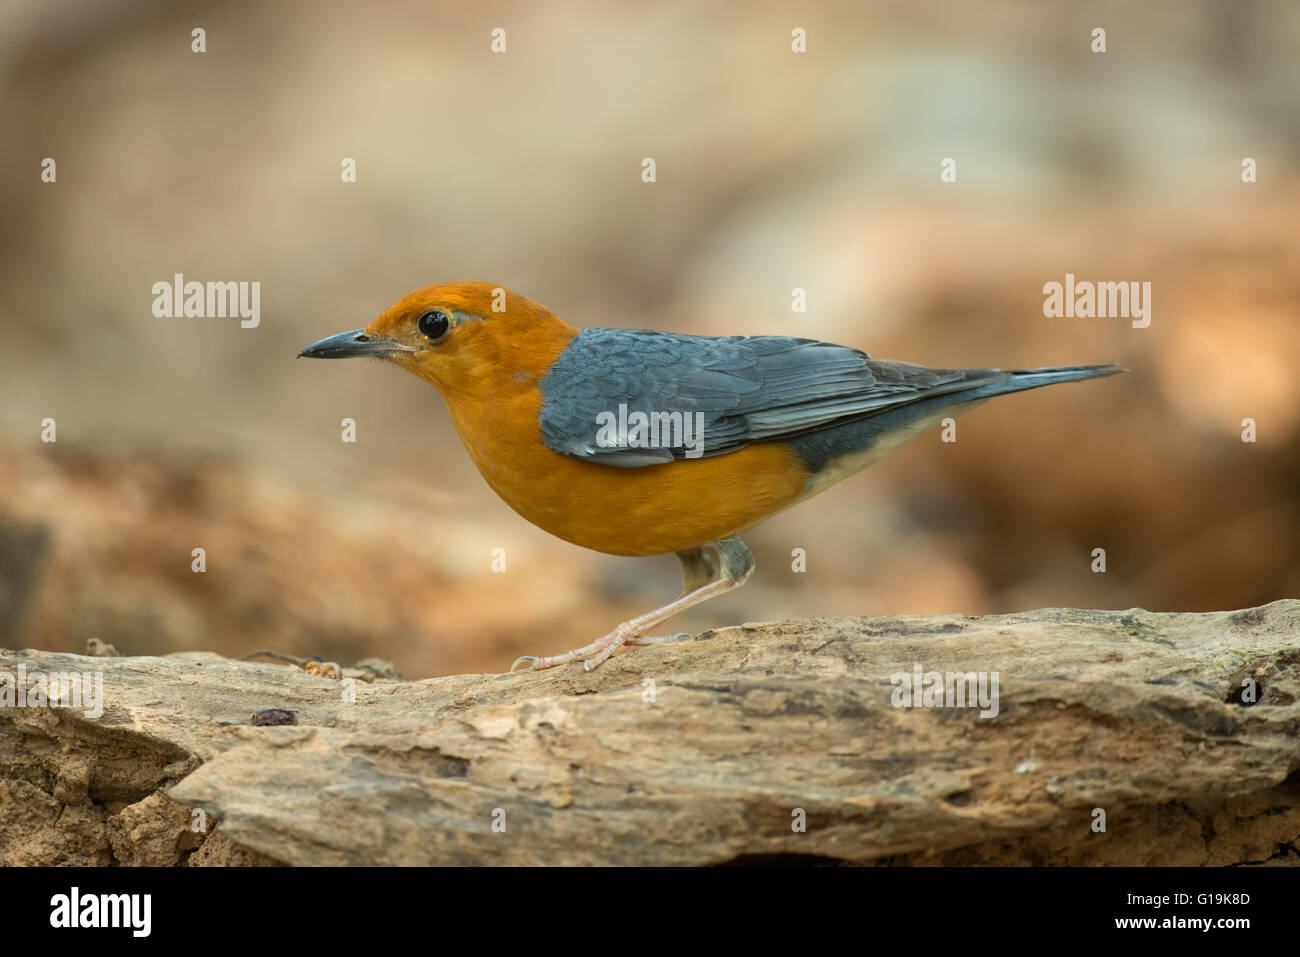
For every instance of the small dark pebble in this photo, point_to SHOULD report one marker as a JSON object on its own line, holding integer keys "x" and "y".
{"x": 273, "y": 716}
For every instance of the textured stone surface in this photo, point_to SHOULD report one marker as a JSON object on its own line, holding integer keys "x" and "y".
{"x": 701, "y": 752}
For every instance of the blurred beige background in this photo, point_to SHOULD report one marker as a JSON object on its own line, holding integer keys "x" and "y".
{"x": 775, "y": 171}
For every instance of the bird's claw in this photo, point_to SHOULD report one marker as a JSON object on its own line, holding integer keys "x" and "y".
{"x": 598, "y": 651}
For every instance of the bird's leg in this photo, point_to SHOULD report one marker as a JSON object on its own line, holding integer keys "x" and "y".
{"x": 702, "y": 579}
{"x": 700, "y": 566}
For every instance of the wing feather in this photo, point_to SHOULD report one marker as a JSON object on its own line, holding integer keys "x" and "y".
{"x": 745, "y": 388}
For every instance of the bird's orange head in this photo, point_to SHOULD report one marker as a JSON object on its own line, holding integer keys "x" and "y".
{"x": 468, "y": 339}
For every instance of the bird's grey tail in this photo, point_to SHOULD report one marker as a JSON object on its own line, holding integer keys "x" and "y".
{"x": 910, "y": 418}
{"x": 1018, "y": 380}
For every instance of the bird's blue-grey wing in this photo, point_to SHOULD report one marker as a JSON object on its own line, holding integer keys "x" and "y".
{"x": 739, "y": 389}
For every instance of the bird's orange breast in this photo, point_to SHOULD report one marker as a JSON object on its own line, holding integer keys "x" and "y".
{"x": 650, "y": 510}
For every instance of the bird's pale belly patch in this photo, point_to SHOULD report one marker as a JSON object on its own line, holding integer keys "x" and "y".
{"x": 844, "y": 466}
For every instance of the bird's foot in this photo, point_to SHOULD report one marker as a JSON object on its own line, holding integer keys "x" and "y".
{"x": 590, "y": 655}
{"x": 593, "y": 654}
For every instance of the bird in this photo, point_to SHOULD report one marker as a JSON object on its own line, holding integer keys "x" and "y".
{"x": 639, "y": 442}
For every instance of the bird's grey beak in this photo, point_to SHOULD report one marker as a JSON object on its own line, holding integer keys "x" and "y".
{"x": 347, "y": 345}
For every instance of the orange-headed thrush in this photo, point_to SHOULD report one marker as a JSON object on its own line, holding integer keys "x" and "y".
{"x": 635, "y": 442}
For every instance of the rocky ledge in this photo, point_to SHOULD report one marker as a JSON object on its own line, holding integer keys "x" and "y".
{"x": 1084, "y": 737}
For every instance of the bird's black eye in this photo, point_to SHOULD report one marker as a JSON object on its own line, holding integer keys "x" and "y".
{"x": 433, "y": 325}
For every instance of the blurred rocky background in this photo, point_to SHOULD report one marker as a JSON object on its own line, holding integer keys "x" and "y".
{"x": 775, "y": 170}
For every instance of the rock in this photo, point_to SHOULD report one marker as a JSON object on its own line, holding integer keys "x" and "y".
{"x": 219, "y": 851}
{"x": 155, "y": 832}
{"x": 1115, "y": 737}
